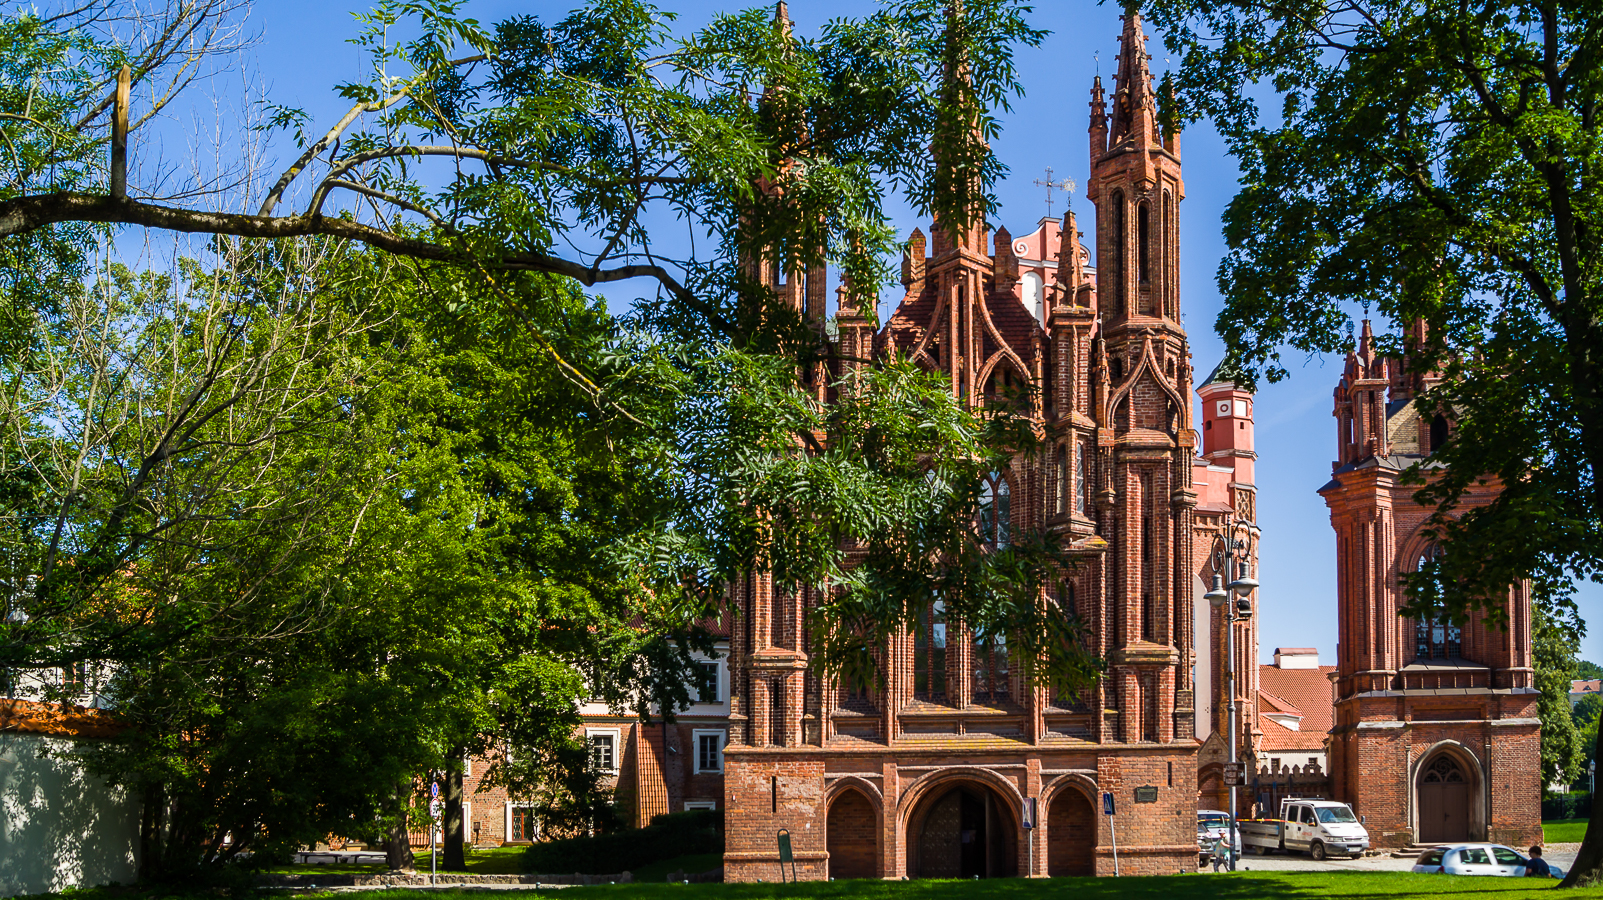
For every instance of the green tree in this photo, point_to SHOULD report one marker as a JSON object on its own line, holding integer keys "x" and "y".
{"x": 1435, "y": 161}
{"x": 1588, "y": 671}
{"x": 567, "y": 139}
{"x": 425, "y": 567}
{"x": 1554, "y": 645}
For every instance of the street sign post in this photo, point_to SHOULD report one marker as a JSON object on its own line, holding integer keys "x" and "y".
{"x": 1028, "y": 821}
{"x": 1107, "y": 810}
{"x": 435, "y": 808}
{"x": 1233, "y": 775}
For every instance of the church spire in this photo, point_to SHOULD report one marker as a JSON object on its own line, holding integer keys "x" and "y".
{"x": 1135, "y": 112}
{"x": 960, "y": 146}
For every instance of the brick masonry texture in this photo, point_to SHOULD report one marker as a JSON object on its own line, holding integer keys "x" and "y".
{"x": 936, "y": 766}
{"x": 1416, "y": 705}
{"x": 929, "y": 774}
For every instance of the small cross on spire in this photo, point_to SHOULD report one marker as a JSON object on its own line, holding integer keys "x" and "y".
{"x": 1066, "y": 186}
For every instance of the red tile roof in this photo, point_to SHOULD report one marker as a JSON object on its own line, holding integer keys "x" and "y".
{"x": 1586, "y": 687}
{"x": 58, "y": 719}
{"x": 1305, "y": 693}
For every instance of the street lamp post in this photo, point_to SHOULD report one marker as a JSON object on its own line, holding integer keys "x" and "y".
{"x": 1232, "y": 554}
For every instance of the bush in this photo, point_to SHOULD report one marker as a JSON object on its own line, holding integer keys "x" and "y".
{"x": 1576, "y": 805}
{"x": 668, "y": 836}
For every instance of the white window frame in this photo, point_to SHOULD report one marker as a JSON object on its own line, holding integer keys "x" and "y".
{"x": 506, "y": 831}
{"x": 617, "y": 744}
{"x": 717, "y": 682}
{"x": 723, "y": 741}
{"x": 700, "y": 804}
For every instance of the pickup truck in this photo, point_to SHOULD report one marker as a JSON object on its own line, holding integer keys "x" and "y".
{"x": 1320, "y": 827}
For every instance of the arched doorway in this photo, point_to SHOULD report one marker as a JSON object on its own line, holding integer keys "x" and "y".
{"x": 1444, "y": 791}
{"x": 852, "y": 836}
{"x": 963, "y": 831}
{"x": 1070, "y": 835}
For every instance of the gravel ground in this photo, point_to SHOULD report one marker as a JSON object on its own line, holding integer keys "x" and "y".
{"x": 1561, "y": 855}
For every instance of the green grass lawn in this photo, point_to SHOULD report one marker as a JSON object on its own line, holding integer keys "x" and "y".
{"x": 1563, "y": 831}
{"x": 1238, "y": 886}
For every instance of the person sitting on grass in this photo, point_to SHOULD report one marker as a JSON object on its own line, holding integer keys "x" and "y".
{"x": 1536, "y": 866}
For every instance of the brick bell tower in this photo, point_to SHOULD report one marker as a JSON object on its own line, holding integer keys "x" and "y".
{"x": 1436, "y": 737}
{"x": 1142, "y": 387}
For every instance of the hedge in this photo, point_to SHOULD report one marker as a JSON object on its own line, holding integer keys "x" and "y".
{"x": 668, "y": 836}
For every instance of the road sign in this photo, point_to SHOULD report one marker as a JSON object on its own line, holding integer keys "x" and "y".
{"x": 434, "y": 789}
{"x": 435, "y": 807}
{"x": 1107, "y": 803}
{"x": 1233, "y": 775}
{"x": 1029, "y": 812}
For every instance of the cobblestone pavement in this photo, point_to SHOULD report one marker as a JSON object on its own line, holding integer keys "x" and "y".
{"x": 1562, "y": 856}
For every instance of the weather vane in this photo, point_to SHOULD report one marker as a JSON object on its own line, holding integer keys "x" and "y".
{"x": 1066, "y": 186}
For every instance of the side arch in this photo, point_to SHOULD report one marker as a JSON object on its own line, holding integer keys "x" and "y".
{"x": 1071, "y": 827}
{"x": 1438, "y": 799}
{"x": 852, "y": 829}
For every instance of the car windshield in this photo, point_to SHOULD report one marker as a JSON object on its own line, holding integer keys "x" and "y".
{"x": 1213, "y": 820}
{"x": 1335, "y": 814}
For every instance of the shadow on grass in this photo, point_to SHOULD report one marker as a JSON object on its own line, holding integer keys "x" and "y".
{"x": 1240, "y": 886}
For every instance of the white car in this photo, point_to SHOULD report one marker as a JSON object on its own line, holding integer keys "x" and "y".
{"x": 1475, "y": 859}
{"x": 1213, "y": 824}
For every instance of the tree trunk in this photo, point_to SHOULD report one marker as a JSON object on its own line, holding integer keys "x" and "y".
{"x": 150, "y": 826}
{"x": 454, "y": 826}
{"x": 1587, "y": 870}
{"x": 397, "y": 846}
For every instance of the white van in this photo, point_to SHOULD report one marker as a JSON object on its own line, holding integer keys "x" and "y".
{"x": 1320, "y": 827}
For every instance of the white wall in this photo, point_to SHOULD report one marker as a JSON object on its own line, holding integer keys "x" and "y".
{"x": 60, "y": 828}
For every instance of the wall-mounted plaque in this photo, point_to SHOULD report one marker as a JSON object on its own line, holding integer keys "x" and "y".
{"x": 1146, "y": 795}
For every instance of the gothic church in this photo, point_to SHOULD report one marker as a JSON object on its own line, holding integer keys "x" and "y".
{"x": 931, "y": 776}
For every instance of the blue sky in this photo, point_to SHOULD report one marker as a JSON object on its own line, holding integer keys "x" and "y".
{"x": 303, "y": 53}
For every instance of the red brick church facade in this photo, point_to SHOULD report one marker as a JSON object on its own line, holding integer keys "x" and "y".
{"x": 1436, "y": 737}
{"x": 929, "y": 776}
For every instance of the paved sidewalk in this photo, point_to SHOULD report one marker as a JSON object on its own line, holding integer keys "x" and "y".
{"x": 1561, "y": 855}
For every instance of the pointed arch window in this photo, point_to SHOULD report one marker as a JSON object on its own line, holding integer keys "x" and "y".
{"x": 1436, "y": 637}
{"x": 990, "y": 683}
{"x": 1144, "y": 244}
{"x": 996, "y": 510}
{"x": 1079, "y": 480}
{"x": 1061, "y": 470}
{"x": 1120, "y": 241}
{"x": 929, "y": 654}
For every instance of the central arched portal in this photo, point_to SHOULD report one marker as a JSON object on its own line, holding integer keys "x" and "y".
{"x": 1445, "y": 791}
{"x": 963, "y": 831}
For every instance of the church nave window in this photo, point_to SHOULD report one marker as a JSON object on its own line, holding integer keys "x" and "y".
{"x": 990, "y": 669}
{"x": 996, "y": 511}
{"x": 929, "y": 654}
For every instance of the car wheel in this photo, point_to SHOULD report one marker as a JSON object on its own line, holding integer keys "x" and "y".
{"x": 1358, "y": 854}
{"x": 1317, "y": 851}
